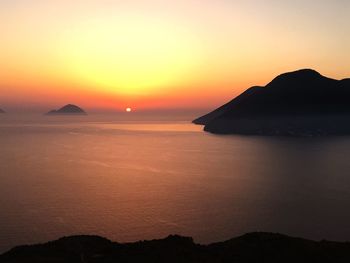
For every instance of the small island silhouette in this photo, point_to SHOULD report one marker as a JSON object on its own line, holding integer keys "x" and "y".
{"x": 299, "y": 103}
{"x": 68, "y": 109}
{"x": 252, "y": 247}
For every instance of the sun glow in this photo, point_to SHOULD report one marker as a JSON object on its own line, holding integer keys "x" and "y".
{"x": 138, "y": 57}
{"x": 128, "y": 109}
{"x": 161, "y": 54}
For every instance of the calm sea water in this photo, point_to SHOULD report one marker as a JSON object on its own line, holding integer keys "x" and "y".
{"x": 146, "y": 178}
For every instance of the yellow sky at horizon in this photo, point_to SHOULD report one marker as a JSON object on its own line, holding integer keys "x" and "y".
{"x": 163, "y": 53}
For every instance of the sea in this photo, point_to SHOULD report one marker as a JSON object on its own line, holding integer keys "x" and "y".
{"x": 132, "y": 177}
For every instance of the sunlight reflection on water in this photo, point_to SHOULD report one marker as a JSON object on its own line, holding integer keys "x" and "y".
{"x": 141, "y": 180}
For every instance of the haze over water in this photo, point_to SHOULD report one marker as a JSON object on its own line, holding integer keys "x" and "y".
{"x": 149, "y": 177}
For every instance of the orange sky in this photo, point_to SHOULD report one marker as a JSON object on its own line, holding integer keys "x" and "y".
{"x": 162, "y": 54}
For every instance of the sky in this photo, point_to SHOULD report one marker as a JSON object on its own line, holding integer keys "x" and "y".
{"x": 152, "y": 54}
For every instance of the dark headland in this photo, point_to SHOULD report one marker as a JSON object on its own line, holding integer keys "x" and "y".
{"x": 2, "y": 111}
{"x": 68, "y": 109}
{"x": 299, "y": 103}
{"x": 252, "y": 247}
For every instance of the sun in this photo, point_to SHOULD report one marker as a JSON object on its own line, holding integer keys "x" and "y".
{"x": 128, "y": 109}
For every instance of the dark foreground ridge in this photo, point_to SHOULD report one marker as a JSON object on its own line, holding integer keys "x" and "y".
{"x": 253, "y": 247}
{"x": 68, "y": 109}
{"x": 299, "y": 103}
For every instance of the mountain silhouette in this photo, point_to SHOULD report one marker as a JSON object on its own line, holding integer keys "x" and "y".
{"x": 2, "y": 111}
{"x": 68, "y": 109}
{"x": 251, "y": 247}
{"x": 302, "y": 102}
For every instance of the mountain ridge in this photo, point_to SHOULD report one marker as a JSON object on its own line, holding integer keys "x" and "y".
{"x": 285, "y": 106}
{"x": 250, "y": 247}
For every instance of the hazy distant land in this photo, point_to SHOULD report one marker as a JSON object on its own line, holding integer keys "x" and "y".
{"x": 68, "y": 110}
{"x": 252, "y": 247}
{"x": 299, "y": 103}
{"x": 2, "y": 111}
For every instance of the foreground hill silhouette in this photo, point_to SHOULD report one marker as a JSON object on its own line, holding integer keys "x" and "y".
{"x": 68, "y": 109}
{"x": 253, "y": 247}
{"x": 297, "y": 103}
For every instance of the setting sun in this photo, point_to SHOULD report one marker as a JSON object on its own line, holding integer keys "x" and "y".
{"x": 155, "y": 54}
{"x": 128, "y": 109}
